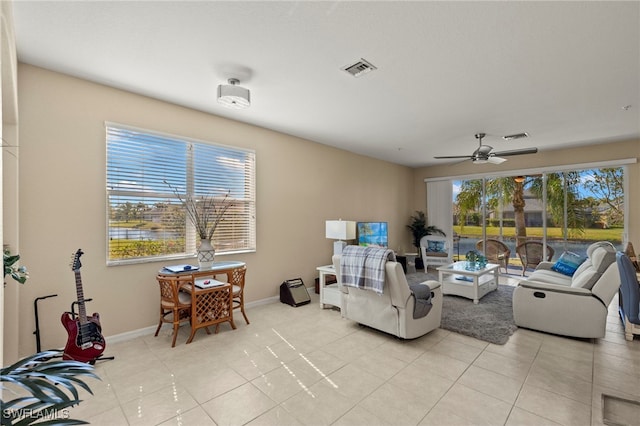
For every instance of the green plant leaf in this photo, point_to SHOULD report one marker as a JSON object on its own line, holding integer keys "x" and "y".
{"x": 53, "y": 386}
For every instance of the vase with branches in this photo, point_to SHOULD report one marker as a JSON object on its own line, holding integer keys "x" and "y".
{"x": 205, "y": 213}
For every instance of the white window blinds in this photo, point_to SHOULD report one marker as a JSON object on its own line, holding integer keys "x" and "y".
{"x": 439, "y": 205}
{"x": 147, "y": 219}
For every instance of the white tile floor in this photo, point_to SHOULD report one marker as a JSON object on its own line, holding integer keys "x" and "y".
{"x": 305, "y": 365}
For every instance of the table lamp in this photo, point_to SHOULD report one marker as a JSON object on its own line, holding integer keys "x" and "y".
{"x": 340, "y": 230}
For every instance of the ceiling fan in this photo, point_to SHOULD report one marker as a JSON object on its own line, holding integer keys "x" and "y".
{"x": 484, "y": 153}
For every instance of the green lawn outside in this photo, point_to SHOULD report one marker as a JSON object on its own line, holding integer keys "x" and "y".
{"x": 135, "y": 224}
{"x": 127, "y": 249}
{"x": 612, "y": 234}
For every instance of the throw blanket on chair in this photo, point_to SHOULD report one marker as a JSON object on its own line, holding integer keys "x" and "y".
{"x": 422, "y": 294}
{"x": 364, "y": 267}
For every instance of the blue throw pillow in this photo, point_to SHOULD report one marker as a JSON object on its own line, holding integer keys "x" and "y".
{"x": 568, "y": 263}
{"x": 435, "y": 246}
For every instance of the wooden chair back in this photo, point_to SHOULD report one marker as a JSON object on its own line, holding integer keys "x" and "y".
{"x": 175, "y": 307}
{"x": 495, "y": 251}
{"x": 531, "y": 253}
{"x": 237, "y": 281}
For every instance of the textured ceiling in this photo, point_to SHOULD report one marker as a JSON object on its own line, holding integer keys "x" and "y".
{"x": 560, "y": 71}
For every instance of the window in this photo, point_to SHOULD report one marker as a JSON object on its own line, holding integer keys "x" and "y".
{"x": 568, "y": 209}
{"x": 146, "y": 220}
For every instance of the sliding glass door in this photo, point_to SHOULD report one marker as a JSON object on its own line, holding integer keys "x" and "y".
{"x": 566, "y": 210}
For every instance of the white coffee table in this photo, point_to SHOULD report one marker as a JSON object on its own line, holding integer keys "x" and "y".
{"x": 473, "y": 284}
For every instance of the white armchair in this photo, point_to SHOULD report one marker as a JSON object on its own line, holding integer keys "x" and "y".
{"x": 436, "y": 250}
{"x": 571, "y": 306}
{"x": 391, "y": 311}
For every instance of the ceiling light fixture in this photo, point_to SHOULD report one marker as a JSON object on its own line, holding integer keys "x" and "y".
{"x": 233, "y": 96}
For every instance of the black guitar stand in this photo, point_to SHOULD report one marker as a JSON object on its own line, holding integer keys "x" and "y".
{"x": 74, "y": 316}
{"x": 37, "y": 331}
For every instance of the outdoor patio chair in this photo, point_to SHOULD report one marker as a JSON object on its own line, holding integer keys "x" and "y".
{"x": 496, "y": 252}
{"x": 531, "y": 254}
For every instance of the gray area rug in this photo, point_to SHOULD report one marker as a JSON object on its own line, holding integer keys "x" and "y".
{"x": 490, "y": 320}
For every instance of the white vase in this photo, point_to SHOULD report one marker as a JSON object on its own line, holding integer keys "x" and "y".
{"x": 206, "y": 254}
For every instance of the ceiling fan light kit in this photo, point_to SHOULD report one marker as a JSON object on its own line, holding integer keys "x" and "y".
{"x": 233, "y": 96}
{"x": 484, "y": 154}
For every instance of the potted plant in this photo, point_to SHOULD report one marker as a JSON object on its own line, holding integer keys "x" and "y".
{"x": 51, "y": 385}
{"x": 51, "y": 388}
{"x": 205, "y": 213}
{"x": 418, "y": 227}
{"x": 18, "y": 273}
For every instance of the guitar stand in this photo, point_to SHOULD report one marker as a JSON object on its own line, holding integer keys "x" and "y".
{"x": 74, "y": 315}
{"x": 37, "y": 331}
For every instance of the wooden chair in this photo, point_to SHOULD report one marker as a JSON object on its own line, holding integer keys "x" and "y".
{"x": 531, "y": 254}
{"x": 175, "y": 305}
{"x": 237, "y": 280}
{"x": 496, "y": 252}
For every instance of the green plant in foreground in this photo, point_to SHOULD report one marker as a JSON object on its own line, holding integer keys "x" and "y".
{"x": 52, "y": 386}
{"x": 19, "y": 273}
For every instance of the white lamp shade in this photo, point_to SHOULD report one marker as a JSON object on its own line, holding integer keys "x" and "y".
{"x": 340, "y": 229}
{"x": 234, "y": 97}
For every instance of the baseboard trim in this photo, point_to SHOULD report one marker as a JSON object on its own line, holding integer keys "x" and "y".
{"x": 130, "y": 335}
{"x": 133, "y": 334}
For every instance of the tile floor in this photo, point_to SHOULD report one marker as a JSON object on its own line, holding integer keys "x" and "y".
{"x": 304, "y": 365}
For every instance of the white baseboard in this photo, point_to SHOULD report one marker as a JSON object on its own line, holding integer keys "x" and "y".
{"x": 129, "y": 335}
{"x": 263, "y": 301}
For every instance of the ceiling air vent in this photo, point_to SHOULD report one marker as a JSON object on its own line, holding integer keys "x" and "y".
{"x": 516, "y": 136}
{"x": 359, "y": 68}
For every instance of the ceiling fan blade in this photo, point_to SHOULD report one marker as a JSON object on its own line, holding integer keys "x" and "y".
{"x": 516, "y": 152}
{"x": 496, "y": 160}
{"x": 452, "y": 156}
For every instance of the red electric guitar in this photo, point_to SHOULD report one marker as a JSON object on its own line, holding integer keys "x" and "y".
{"x": 85, "y": 341}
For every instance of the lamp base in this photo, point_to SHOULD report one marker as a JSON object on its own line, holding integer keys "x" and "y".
{"x": 338, "y": 246}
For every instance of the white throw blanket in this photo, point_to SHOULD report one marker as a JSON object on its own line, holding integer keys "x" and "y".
{"x": 364, "y": 267}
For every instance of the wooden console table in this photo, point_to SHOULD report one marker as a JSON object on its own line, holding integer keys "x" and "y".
{"x": 213, "y": 305}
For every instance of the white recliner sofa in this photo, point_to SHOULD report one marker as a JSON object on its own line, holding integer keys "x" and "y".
{"x": 575, "y": 305}
{"x": 391, "y": 311}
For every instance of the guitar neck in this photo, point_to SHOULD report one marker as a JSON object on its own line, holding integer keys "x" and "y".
{"x": 82, "y": 312}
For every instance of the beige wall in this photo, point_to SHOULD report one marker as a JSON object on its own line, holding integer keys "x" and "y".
{"x": 585, "y": 154}
{"x": 8, "y": 178}
{"x": 300, "y": 184}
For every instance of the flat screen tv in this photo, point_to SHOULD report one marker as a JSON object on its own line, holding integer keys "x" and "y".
{"x": 372, "y": 234}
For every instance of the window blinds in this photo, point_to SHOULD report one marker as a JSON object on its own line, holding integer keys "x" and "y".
{"x": 146, "y": 217}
